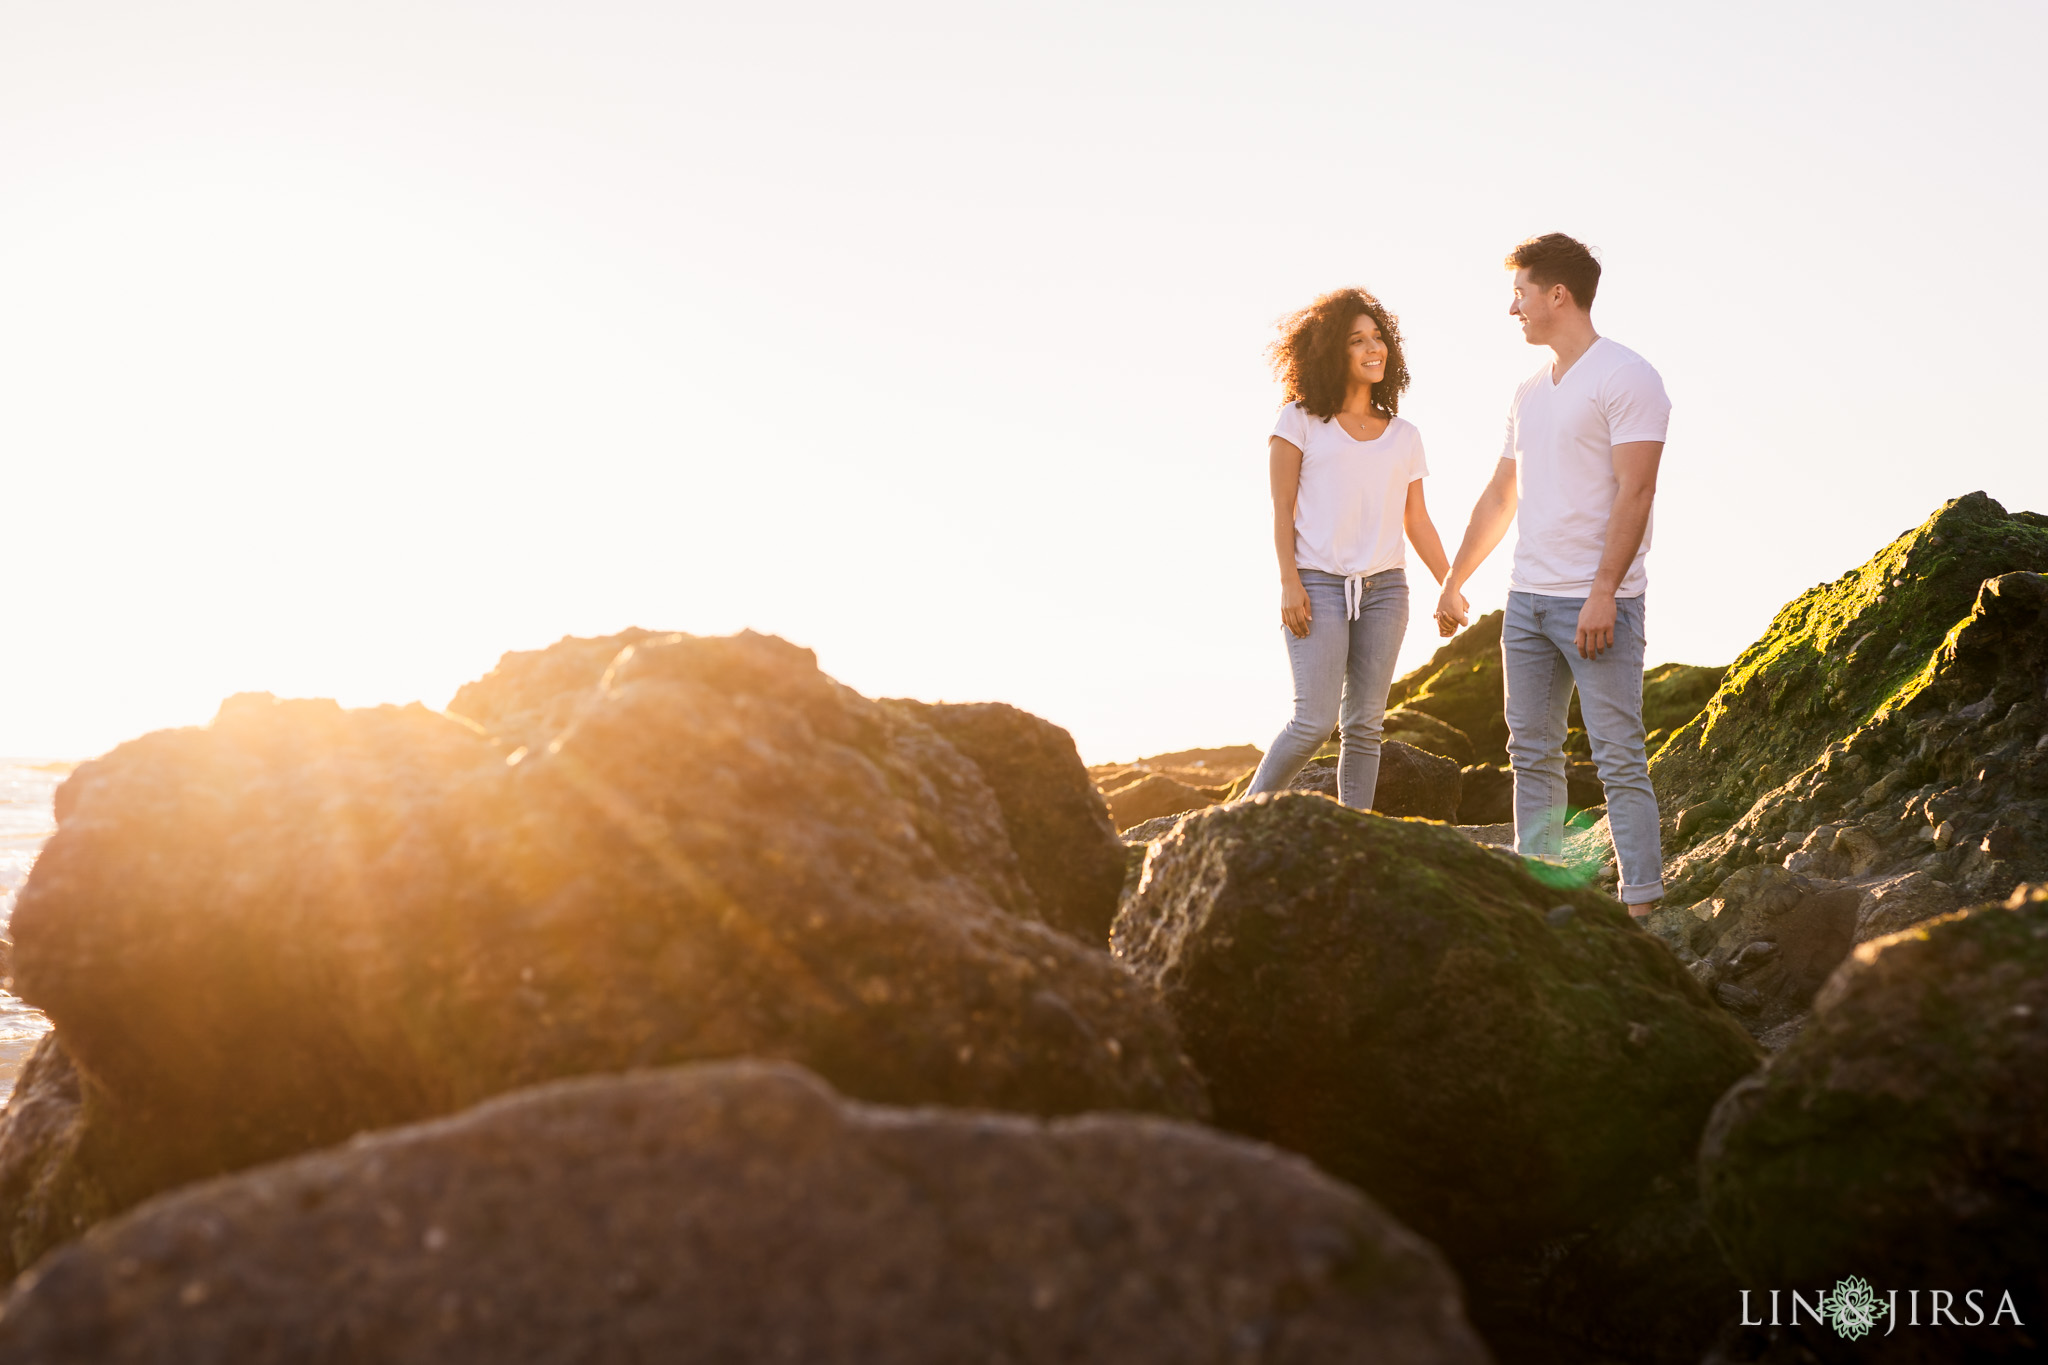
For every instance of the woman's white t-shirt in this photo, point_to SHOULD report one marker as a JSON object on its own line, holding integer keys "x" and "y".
{"x": 1348, "y": 514}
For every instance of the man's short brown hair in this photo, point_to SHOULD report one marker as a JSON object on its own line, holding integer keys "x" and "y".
{"x": 1555, "y": 258}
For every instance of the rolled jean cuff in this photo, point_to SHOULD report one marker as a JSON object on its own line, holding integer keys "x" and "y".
{"x": 1638, "y": 895}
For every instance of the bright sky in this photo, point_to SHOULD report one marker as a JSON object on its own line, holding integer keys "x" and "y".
{"x": 344, "y": 346}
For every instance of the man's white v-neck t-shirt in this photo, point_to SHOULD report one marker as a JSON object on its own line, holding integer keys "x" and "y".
{"x": 1561, "y": 437}
{"x": 1349, "y": 509}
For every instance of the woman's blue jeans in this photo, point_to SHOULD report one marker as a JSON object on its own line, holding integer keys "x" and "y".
{"x": 1341, "y": 674}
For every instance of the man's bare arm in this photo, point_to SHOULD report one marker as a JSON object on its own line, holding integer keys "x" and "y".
{"x": 1635, "y": 470}
{"x": 1491, "y": 517}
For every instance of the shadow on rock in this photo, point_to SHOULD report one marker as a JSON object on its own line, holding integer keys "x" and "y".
{"x": 1769, "y": 939}
{"x": 1903, "y": 1138}
{"x": 744, "y": 1212}
{"x": 1412, "y": 782}
{"x": 1510, "y": 1068}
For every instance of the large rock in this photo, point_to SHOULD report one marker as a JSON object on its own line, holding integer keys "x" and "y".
{"x": 1506, "y": 1065}
{"x": 744, "y": 1213}
{"x": 1140, "y": 835}
{"x": 1067, "y": 848}
{"x": 40, "y": 1189}
{"x": 1411, "y": 782}
{"x": 1428, "y": 733}
{"x": 1486, "y": 795}
{"x": 1903, "y": 1138}
{"x": 1942, "y": 791}
{"x": 529, "y": 697}
{"x": 1897, "y": 902}
{"x": 1318, "y": 775}
{"x": 1583, "y": 789}
{"x": 1673, "y": 694}
{"x": 1395, "y": 1002}
{"x": 1453, "y": 705}
{"x": 1862, "y": 651}
{"x": 1212, "y": 768}
{"x": 302, "y": 922}
{"x": 1415, "y": 782}
{"x": 1886, "y": 738}
{"x": 1153, "y": 796}
{"x": 1768, "y": 940}
{"x": 1460, "y": 686}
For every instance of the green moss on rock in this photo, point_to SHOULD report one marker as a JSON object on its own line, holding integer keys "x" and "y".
{"x": 1840, "y": 653}
{"x": 1493, "y": 1058}
{"x": 1947, "y": 783}
{"x": 1461, "y": 686}
{"x": 1904, "y": 1135}
{"x": 1674, "y": 693}
{"x": 1429, "y": 734}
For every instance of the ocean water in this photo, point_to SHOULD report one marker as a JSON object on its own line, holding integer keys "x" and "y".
{"x": 28, "y": 791}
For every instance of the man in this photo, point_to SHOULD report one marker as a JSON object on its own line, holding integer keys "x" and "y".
{"x": 1585, "y": 434}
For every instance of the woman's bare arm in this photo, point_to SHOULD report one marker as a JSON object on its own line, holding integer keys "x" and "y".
{"x": 1422, "y": 534}
{"x": 1284, "y": 462}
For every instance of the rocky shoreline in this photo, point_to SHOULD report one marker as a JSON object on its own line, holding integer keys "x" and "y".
{"x": 665, "y": 998}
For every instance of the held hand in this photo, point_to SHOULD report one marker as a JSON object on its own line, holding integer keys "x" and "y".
{"x": 1452, "y": 611}
{"x": 1295, "y": 612}
{"x": 1596, "y": 625}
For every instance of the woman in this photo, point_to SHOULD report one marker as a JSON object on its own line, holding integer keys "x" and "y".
{"x": 1347, "y": 482}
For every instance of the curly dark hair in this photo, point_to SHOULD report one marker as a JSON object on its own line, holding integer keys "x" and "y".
{"x": 1311, "y": 361}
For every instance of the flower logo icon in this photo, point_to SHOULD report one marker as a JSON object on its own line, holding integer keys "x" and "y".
{"x": 1853, "y": 1307}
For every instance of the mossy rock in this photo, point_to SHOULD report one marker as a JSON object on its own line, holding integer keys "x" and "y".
{"x": 1429, "y": 734}
{"x": 1672, "y": 695}
{"x": 1843, "y": 652}
{"x": 1903, "y": 1136}
{"x": 1947, "y": 781}
{"x": 1461, "y": 687}
{"x": 1495, "y": 1059}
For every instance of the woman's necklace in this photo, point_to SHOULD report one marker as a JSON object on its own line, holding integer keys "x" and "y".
{"x": 1355, "y": 427}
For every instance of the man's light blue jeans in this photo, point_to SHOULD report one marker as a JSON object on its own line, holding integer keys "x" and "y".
{"x": 1341, "y": 675}
{"x": 1540, "y": 657}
